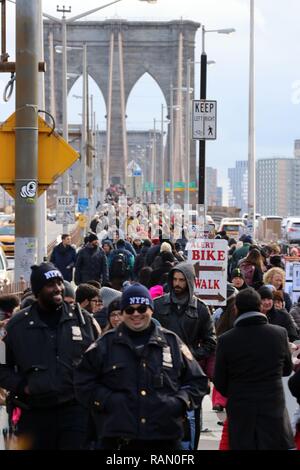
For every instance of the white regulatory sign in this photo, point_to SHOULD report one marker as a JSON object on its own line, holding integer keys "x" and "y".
{"x": 209, "y": 258}
{"x": 65, "y": 210}
{"x": 204, "y": 120}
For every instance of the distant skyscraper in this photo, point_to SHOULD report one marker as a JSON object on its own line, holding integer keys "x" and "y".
{"x": 297, "y": 149}
{"x": 219, "y": 201}
{"x": 238, "y": 186}
{"x": 277, "y": 180}
{"x": 211, "y": 186}
{"x": 277, "y": 185}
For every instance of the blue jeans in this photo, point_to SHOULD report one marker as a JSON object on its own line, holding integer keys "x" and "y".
{"x": 189, "y": 445}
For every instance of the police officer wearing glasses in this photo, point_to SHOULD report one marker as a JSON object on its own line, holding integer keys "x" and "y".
{"x": 139, "y": 379}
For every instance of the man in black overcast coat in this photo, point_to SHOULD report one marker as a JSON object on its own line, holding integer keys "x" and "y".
{"x": 251, "y": 359}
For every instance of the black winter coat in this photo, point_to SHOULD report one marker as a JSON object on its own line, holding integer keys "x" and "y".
{"x": 251, "y": 359}
{"x": 283, "y": 318}
{"x": 91, "y": 264}
{"x": 64, "y": 259}
{"x": 139, "y": 396}
{"x": 140, "y": 261}
{"x": 41, "y": 359}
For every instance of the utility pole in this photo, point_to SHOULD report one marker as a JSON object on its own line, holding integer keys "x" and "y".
{"x": 154, "y": 164}
{"x": 202, "y": 142}
{"x": 42, "y": 200}
{"x": 26, "y": 157}
{"x": 65, "y": 177}
{"x": 251, "y": 142}
{"x": 171, "y": 157}
{"x": 162, "y": 160}
{"x": 188, "y": 132}
{"x": 83, "y": 169}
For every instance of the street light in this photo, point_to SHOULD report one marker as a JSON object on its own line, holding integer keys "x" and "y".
{"x": 154, "y": 169}
{"x": 171, "y": 141}
{"x": 162, "y": 151}
{"x": 251, "y": 143}
{"x": 83, "y": 168}
{"x": 203, "y": 88}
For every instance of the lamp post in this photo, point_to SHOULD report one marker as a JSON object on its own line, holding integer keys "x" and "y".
{"x": 83, "y": 167}
{"x": 171, "y": 142}
{"x": 162, "y": 160}
{"x": 202, "y": 147}
{"x": 251, "y": 143}
{"x": 171, "y": 146}
{"x": 83, "y": 147}
{"x": 154, "y": 170}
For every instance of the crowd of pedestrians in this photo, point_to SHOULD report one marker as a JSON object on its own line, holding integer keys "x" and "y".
{"x": 112, "y": 349}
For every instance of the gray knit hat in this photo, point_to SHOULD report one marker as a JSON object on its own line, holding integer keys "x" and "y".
{"x": 108, "y": 295}
{"x": 69, "y": 291}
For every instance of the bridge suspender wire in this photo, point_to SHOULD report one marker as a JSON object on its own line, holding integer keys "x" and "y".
{"x": 109, "y": 108}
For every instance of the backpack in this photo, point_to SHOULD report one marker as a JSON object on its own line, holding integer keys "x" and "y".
{"x": 247, "y": 271}
{"x": 119, "y": 267}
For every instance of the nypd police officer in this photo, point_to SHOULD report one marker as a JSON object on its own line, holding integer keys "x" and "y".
{"x": 139, "y": 379}
{"x": 43, "y": 344}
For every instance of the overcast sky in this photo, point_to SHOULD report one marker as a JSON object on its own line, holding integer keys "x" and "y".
{"x": 277, "y": 72}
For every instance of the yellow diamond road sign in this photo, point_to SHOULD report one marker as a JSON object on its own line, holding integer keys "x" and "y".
{"x": 55, "y": 155}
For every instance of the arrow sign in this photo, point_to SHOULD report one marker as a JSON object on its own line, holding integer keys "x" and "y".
{"x": 217, "y": 297}
{"x": 198, "y": 268}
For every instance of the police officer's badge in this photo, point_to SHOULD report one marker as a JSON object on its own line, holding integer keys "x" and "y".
{"x": 167, "y": 357}
{"x": 76, "y": 333}
{"x": 186, "y": 352}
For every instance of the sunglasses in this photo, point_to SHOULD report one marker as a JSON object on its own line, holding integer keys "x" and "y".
{"x": 141, "y": 309}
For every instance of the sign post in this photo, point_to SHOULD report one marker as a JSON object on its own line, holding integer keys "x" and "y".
{"x": 209, "y": 258}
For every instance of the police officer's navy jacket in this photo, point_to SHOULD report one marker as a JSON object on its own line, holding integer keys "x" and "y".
{"x": 44, "y": 359}
{"x": 191, "y": 322}
{"x": 140, "y": 396}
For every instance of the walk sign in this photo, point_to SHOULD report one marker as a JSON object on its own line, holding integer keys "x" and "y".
{"x": 55, "y": 155}
{"x": 204, "y": 120}
{"x": 209, "y": 258}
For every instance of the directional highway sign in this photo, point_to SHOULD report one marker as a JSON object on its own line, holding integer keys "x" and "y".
{"x": 54, "y": 157}
{"x": 204, "y": 120}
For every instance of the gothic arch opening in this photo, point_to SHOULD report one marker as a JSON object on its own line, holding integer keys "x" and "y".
{"x": 96, "y": 123}
{"x": 75, "y": 103}
{"x": 146, "y": 105}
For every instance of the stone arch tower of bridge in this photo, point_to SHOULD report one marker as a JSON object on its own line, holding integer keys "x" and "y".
{"x": 119, "y": 52}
